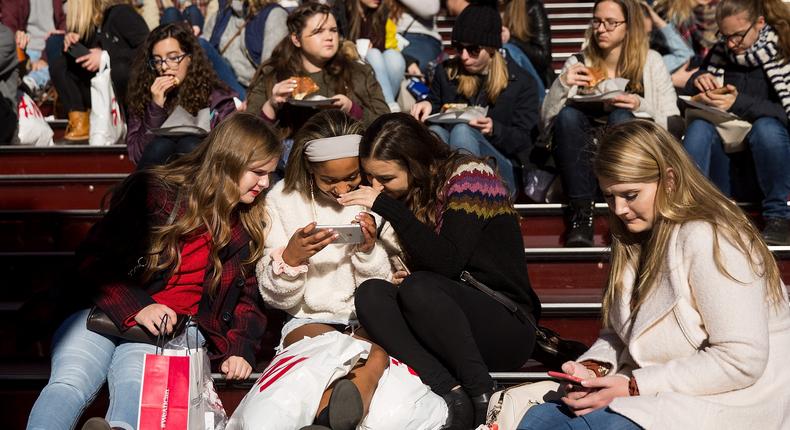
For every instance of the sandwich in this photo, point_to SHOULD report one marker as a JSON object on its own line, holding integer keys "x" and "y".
{"x": 722, "y": 90}
{"x": 453, "y": 107}
{"x": 597, "y": 75}
{"x": 304, "y": 87}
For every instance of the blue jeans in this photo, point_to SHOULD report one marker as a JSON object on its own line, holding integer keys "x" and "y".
{"x": 40, "y": 76}
{"x": 423, "y": 48}
{"x": 81, "y": 361}
{"x": 572, "y": 149}
{"x": 222, "y": 68}
{"x": 191, "y": 14}
{"x": 769, "y": 144}
{"x": 555, "y": 416}
{"x": 389, "y": 67}
{"x": 520, "y": 58}
{"x": 471, "y": 140}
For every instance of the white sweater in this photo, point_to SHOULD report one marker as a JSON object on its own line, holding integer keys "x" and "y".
{"x": 707, "y": 352}
{"x": 419, "y": 17}
{"x": 326, "y": 291}
{"x": 658, "y": 103}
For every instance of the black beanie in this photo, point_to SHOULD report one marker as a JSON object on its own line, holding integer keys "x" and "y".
{"x": 478, "y": 25}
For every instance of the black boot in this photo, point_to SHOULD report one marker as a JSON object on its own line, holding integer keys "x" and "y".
{"x": 777, "y": 231}
{"x": 580, "y": 224}
{"x": 480, "y": 404}
{"x": 460, "y": 410}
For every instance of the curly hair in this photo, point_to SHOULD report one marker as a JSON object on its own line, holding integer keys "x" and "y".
{"x": 193, "y": 94}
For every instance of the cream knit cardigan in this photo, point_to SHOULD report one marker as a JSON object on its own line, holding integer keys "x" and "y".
{"x": 658, "y": 103}
{"x": 326, "y": 291}
{"x": 707, "y": 352}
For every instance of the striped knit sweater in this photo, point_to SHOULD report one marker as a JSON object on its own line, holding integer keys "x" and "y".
{"x": 477, "y": 231}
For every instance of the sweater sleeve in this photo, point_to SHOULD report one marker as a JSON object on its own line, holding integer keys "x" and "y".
{"x": 558, "y": 95}
{"x": 607, "y": 349}
{"x": 372, "y": 265}
{"x": 736, "y": 349}
{"x": 370, "y": 96}
{"x": 276, "y": 31}
{"x": 281, "y": 291}
{"x": 663, "y": 102}
{"x": 679, "y": 52}
{"x": 474, "y": 196}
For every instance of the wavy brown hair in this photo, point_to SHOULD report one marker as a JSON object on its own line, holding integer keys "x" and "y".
{"x": 286, "y": 59}
{"x": 516, "y": 18}
{"x": 327, "y": 123}
{"x": 642, "y": 152}
{"x": 208, "y": 180}
{"x": 776, "y": 14}
{"x": 193, "y": 94}
{"x": 357, "y": 13}
{"x": 635, "y": 45}
{"x": 430, "y": 163}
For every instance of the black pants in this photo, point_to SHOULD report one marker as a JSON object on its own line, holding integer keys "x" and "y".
{"x": 449, "y": 332}
{"x": 164, "y": 149}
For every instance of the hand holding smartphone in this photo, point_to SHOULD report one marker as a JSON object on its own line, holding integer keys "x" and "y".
{"x": 347, "y": 233}
{"x": 78, "y": 50}
{"x": 575, "y": 380}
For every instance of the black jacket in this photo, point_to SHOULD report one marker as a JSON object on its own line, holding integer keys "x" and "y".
{"x": 122, "y": 31}
{"x": 538, "y": 48}
{"x": 756, "y": 95}
{"x": 515, "y": 112}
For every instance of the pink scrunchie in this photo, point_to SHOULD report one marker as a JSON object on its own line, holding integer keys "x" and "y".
{"x": 279, "y": 266}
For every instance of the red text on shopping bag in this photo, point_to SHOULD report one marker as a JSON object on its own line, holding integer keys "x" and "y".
{"x": 279, "y": 367}
{"x": 164, "y": 398}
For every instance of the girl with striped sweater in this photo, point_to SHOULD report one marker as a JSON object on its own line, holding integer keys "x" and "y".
{"x": 454, "y": 218}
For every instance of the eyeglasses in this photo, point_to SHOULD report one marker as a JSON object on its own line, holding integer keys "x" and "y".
{"x": 472, "y": 50}
{"x": 609, "y": 24}
{"x": 172, "y": 61}
{"x": 736, "y": 38}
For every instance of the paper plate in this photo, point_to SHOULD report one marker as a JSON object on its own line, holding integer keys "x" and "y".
{"x": 312, "y": 101}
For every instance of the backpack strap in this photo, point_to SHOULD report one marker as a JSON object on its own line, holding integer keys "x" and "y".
{"x": 255, "y": 32}
{"x": 223, "y": 18}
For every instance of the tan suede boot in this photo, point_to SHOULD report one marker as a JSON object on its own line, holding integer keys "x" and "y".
{"x": 79, "y": 126}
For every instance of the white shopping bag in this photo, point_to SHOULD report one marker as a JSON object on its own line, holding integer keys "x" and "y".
{"x": 403, "y": 402}
{"x": 107, "y": 125}
{"x": 33, "y": 128}
{"x": 287, "y": 394}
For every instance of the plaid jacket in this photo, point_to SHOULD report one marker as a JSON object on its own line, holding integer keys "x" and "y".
{"x": 232, "y": 320}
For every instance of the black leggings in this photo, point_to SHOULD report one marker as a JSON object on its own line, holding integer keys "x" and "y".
{"x": 448, "y": 332}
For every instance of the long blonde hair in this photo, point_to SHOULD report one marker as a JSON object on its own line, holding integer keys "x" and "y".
{"x": 208, "y": 180}
{"x": 642, "y": 152}
{"x": 678, "y": 12}
{"x": 516, "y": 18}
{"x": 633, "y": 56}
{"x": 776, "y": 14}
{"x": 468, "y": 84}
{"x": 85, "y": 16}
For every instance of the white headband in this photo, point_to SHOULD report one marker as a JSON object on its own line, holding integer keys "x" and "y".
{"x": 332, "y": 148}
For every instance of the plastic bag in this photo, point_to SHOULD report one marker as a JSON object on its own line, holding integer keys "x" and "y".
{"x": 287, "y": 394}
{"x": 403, "y": 402}
{"x": 33, "y": 128}
{"x": 107, "y": 124}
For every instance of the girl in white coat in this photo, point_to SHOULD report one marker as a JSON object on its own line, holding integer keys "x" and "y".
{"x": 305, "y": 273}
{"x": 697, "y": 323}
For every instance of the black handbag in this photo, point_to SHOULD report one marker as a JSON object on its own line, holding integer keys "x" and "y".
{"x": 551, "y": 349}
{"x": 99, "y": 322}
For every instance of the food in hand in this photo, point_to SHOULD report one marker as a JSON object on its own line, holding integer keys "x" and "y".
{"x": 176, "y": 81}
{"x": 304, "y": 87}
{"x": 453, "y": 107}
{"x": 720, "y": 91}
{"x": 597, "y": 75}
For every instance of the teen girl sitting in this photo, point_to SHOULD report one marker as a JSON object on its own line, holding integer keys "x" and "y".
{"x": 171, "y": 71}
{"x": 312, "y": 49}
{"x": 313, "y": 279}
{"x": 617, "y": 46}
{"x": 750, "y": 64}
{"x": 480, "y": 76}
{"x": 367, "y": 19}
{"x": 697, "y": 323}
{"x": 190, "y": 232}
{"x": 453, "y": 216}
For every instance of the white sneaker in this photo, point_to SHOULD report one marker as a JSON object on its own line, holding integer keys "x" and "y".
{"x": 30, "y": 83}
{"x": 394, "y": 107}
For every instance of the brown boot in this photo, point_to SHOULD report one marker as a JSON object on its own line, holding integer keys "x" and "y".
{"x": 79, "y": 126}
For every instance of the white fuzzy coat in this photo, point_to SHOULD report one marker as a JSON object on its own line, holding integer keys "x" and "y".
{"x": 658, "y": 103}
{"x": 326, "y": 291}
{"x": 707, "y": 352}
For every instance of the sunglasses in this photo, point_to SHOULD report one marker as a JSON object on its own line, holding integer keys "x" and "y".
{"x": 472, "y": 50}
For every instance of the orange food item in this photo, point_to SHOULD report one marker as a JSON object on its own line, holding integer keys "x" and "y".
{"x": 449, "y": 107}
{"x": 304, "y": 87}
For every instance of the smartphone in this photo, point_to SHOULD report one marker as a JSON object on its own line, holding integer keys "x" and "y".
{"x": 78, "y": 50}
{"x": 398, "y": 264}
{"x": 348, "y": 233}
{"x": 565, "y": 377}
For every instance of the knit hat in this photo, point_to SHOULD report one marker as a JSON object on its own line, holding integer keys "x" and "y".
{"x": 478, "y": 25}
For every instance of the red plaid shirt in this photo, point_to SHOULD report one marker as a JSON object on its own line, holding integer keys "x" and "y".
{"x": 232, "y": 319}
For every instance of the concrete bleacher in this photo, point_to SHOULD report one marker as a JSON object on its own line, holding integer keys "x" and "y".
{"x": 49, "y": 198}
